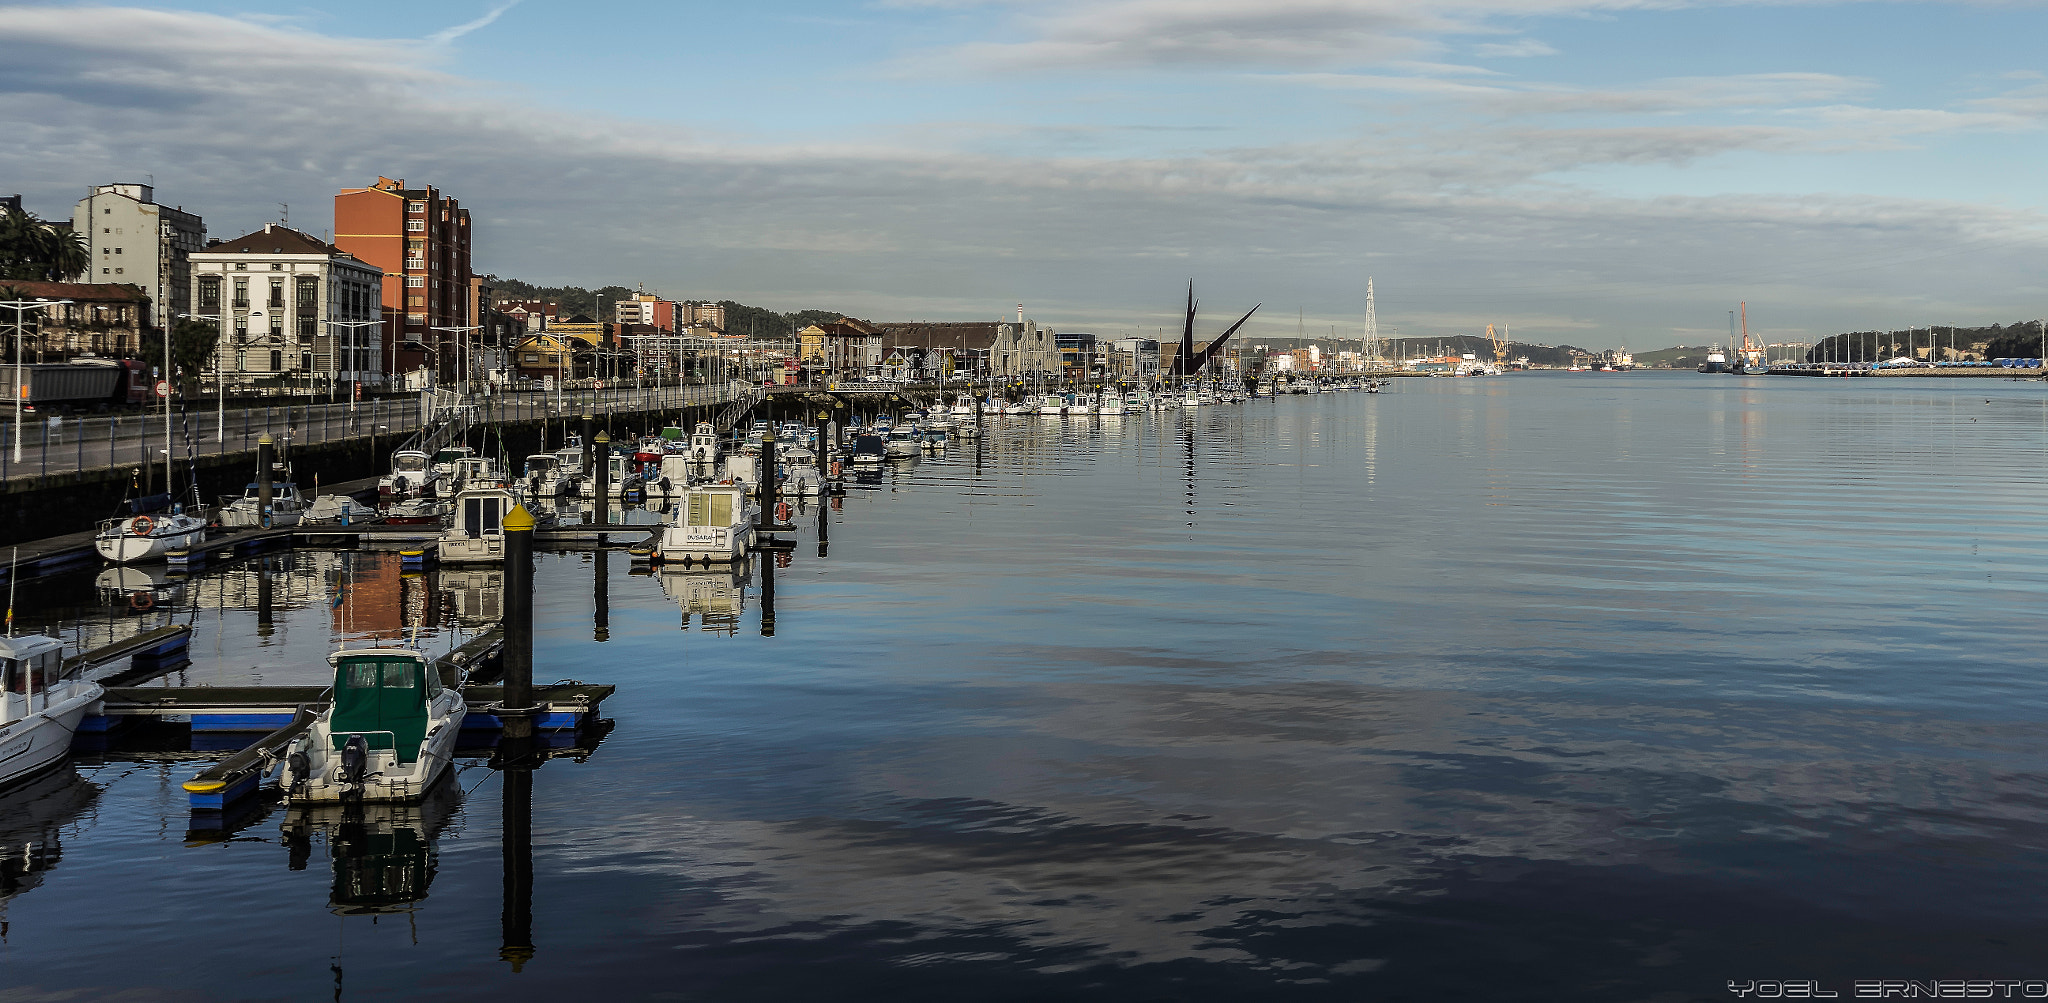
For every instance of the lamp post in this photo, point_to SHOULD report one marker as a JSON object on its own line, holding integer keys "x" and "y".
{"x": 352, "y": 325}
{"x": 461, "y": 354}
{"x": 19, "y": 307}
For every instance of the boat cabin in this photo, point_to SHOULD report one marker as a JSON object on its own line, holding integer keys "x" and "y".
{"x": 541, "y": 464}
{"x": 481, "y": 512}
{"x": 409, "y": 462}
{"x": 382, "y": 694}
{"x": 476, "y": 471}
{"x": 282, "y": 493}
{"x": 28, "y": 666}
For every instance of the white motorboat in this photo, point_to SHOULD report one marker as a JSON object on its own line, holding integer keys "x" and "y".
{"x": 477, "y": 535}
{"x": 417, "y": 512}
{"x": 712, "y": 523}
{"x": 801, "y": 475}
{"x": 410, "y": 475}
{"x": 622, "y": 474}
{"x": 1109, "y": 402}
{"x": 287, "y": 507}
{"x": 149, "y": 536}
{"x": 339, "y": 510}
{"x": 388, "y": 734}
{"x": 900, "y": 442}
{"x": 1052, "y": 404}
{"x": 963, "y": 406}
{"x": 40, "y": 706}
{"x": 545, "y": 476}
{"x": 704, "y": 451}
{"x": 744, "y": 470}
{"x": 441, "y": 471}
{"x": 669, "y": 478}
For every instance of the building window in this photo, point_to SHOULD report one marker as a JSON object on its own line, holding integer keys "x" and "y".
{"x": 118, "y": 271}
{"x": 117, "y": 250}
{"x": 276, "y": 361}
{"x": 416, "y": 281}
{"x": 276, "y": 328}
{"x": 241, "y": 360}
{"x": 276, "y": 267}
{"x": 416, "y": 225}
{"x": 415, "y": 207}
{"x": 309, "y": 291}
{"x": 241, "y": 266}
{"x": 419, "y": 301}
{"x": 276, "y": 292}
{"x": 209, "y": 294}
{"x": 241, "y": 327}
{"x": 242, "y": 292}
{"x": 308, "y": 327}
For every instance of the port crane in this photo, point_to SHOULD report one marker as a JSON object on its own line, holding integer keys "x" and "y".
{"x": 1500, "y": 346}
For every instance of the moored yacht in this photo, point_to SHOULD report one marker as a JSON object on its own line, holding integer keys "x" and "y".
{"x": 286, "y": 507}
{"x": 712, "y": 523}
{"x": 411, "y": 475}
{"x": 40, "y": 706}
{"x": 156, "y": 529}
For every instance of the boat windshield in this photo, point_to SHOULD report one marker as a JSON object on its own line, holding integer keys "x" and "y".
{"x": 709, "y": 508}
{"x": 540, "y": 463}
{"x": 384, "y": 699}
{"x": 409, "y": 462}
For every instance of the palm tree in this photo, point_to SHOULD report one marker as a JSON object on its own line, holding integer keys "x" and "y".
{"x": 32, "y": 250}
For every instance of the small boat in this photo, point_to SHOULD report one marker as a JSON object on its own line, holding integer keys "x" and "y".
{"x": 388, "y": 734}
{"x": 441, "y": 471}
{"x": 1052, "y": 404}
{"x": 801, "y": 475}
{"x": 157, "y": 528}
{"x": 1025, "y": 406}
{"x": 40, "y": 706}
{"x": 963, "y": 406}
{"x": 286, "y": 507}
{"x": 931, "y": 440}
{"x": 704, "y": 451}
{"x": 713, "y": 523}
{"x": 900, "y": 442}
{"x": 410, "y": 475}
{"x": 339, "y": 510}
{"x": 545, "y": 476}
{"x": 477, "y": 535}
{"x": 416, "y": 512}
{"x": 868, "y": 449}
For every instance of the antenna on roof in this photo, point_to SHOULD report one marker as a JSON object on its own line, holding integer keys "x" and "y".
{"x": 285, "y": 210}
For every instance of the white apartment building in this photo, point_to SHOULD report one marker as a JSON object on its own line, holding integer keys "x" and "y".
{"x": 133, "y": 240}
{"x": 290, "y": 307}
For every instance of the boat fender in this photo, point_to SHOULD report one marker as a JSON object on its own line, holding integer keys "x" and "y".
{"x": 141, "y": 525}
{"x": 141, "y": 600}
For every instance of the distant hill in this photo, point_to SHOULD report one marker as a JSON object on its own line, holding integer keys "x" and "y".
{"x": 1682, "y": 357}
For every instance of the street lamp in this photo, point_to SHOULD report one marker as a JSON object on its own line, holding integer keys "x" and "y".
{"x": 20, "y": 391}
{"x": 352, "y": 325}
{"x": 461, "y": 358}
{"x": 220, "y": 383}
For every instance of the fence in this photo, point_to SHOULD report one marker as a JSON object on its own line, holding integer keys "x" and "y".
{"x": 61, "y": 444}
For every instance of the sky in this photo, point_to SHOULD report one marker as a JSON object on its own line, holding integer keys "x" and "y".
{"x": 1607, "y": 173}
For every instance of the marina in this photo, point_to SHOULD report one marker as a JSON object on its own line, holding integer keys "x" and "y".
{"x": 1235, "y": 706}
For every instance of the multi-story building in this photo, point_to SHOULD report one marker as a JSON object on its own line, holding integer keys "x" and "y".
{"x": 845, "y": 348}
{"x": 420, "y": 238}
{"x": 289, "y": 305}
{"x": 105, "y": 319}
{"x": 1135, "y": 359}
{"x": 1024, "y": 349}
{"x": 647, "y": 311}
{"x": 700, "y": 314}
{"x": 134, "y": 241}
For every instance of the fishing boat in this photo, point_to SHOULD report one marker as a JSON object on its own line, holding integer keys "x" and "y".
{"x": 287, "y": 507}
{"x": 801, "y": 475}
{"x": 155, "y": 528}
{"x": 712, "y": 523}
{"x": 411, "y": 475}
{"x": 963, "y": 406}
{"x": 40, "y": 706}
{"x": 1052, "y": 404}
{"x": 387, "y": 735}
{"x": 545, "y": 477}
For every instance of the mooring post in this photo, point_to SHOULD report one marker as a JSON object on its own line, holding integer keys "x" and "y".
{"x": 518, "y": 624}
{"x": 264, "y": 447}
{"x": 770, "y": 491}
{"x": 604, "y": 479}
{"x": 588, "y": 447}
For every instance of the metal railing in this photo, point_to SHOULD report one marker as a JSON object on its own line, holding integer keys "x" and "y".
{"x": 59, "y": 444}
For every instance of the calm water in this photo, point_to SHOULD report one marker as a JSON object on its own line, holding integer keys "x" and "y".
{"x": 1541, "y": 687}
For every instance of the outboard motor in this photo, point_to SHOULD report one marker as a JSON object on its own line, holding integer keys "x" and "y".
{"x": 355, "y": 759}
{"x": 398, "y": 484}
{"x": 302, "y": 769}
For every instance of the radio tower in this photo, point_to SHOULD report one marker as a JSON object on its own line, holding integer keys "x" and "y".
{"x": 1371, "y": 346}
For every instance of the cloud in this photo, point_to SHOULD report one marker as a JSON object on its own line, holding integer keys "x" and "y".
{"x": 447, "y": 35}
{"x": 1515, "y": 49}
{"x": 1454, "y": 213}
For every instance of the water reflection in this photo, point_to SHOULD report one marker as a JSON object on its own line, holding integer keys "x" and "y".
{"x": 32, "y": 818}
{"x": 383, "y": 856}
{"x": 716, "y": 594}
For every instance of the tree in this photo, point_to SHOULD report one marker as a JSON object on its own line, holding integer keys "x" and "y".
{"x": 192, "y": 350}
{"x": 32, "y": 250}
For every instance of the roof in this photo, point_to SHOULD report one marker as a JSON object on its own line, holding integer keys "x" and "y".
{"x": 276, "y": 239}
{"x": 926, "y": 335}
{"x": 120, "y": 292}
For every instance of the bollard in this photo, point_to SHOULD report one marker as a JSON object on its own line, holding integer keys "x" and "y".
{"x": 602, "y": 506}
{"x": 587, "y": 445}
{"x": 770, "y": 490}
{"x": 517, "y": 707}
{"x": 264, "y": 447}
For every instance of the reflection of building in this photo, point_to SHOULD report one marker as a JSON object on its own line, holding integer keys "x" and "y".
{"x": 31, "y": 819}
{"x": 718, "y": 595}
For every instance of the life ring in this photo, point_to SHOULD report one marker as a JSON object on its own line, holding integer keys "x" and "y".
{"x": 141, "y": 600}
{"x": 141, "y": 525}
{"x": 781, "y": 511}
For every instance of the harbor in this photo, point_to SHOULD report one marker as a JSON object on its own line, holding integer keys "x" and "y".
{"x": 870, "y": 691}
